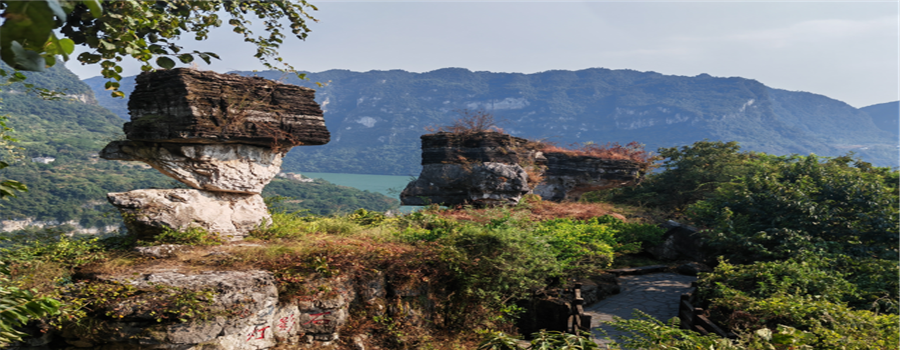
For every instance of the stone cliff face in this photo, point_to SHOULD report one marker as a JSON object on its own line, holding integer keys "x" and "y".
{"x": 569, "y": 176}
{"x": 223, "y": 135}
{"x": 493, "y": 168}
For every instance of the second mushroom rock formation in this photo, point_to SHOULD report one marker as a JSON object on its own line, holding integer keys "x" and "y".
{"x": 489, "y": 168}
{"x": 223, "y": 135}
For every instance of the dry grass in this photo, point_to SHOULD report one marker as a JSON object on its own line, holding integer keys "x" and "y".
{"x": 632, "y": 151}
{"x": 534, "y": 209}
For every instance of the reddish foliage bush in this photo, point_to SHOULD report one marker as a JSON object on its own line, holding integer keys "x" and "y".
{"x": 632, "y": 151}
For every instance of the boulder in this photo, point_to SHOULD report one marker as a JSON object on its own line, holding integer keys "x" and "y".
{"x": 229, "y": 167}
{"x": 679, "y": 242}
{"x": 479, "y": 183}
{"x": 148, "y": 213}
{"x": 191, "y": 106}
{"x": 569, "y": 176}
{"x": 245, "y": 311}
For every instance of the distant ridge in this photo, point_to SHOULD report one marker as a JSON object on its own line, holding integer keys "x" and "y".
{"x": 378, "y": 116}
{"x": 886, "y": 116}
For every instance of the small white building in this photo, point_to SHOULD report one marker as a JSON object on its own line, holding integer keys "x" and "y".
{"x": 43, "y": 160}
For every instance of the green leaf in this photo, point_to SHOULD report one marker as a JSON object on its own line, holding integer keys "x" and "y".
{"x": 67, "y": 45}
{"x": 165, "y": 62}
{"x": 186, "y": 58}
{"x": 95, "y": 7}
{"x": 26, "y": 59}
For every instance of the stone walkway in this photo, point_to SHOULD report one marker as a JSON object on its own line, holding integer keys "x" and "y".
{"x": 656, "y": 294}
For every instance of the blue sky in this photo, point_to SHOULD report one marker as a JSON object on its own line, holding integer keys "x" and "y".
{"x": 845, "y": 50}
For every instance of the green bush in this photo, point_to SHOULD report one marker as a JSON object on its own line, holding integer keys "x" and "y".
{"x": 492, "y": 266}
{"x": 577, "y": 244}
{"x": 811, "y": 276}
{"x": 187, "y": 236}
{"x": 18, "y": 307}
{"x": 803, "y": 204}
{"x": 690, "y": 174}
{"x": 51, "y": 245}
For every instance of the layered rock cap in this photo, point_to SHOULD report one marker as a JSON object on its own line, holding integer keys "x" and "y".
{"x": 223, "y": 135}
{"x": 191, "y": 106}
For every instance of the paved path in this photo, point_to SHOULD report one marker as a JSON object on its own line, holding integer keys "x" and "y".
{"x": 656, "y": 294}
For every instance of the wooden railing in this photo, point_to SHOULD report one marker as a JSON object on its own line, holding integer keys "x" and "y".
{"x": 578, "y": 322}
{"x": 694, "y": 318}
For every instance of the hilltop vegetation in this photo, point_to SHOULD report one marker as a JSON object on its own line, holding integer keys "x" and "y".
{"x": 807, "y": 246}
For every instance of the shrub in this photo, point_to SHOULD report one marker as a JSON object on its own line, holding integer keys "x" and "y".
{"x": 52, "y": 245}
{"x": 18, "y": 306}
{"x": 809, "y": 276}
{"x": 188, "y": 236}
{"x": 491, "y": 266}
{"x": 579, "y": 244}
{"x": 470, "y": 122}
{"x": 589, "y": 244}
{"x": 690, "y": 174}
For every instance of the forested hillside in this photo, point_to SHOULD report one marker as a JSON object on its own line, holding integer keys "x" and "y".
{"x": 74, "y": 185}
{"x": 376, "y": 117}
{"x": 886, "y": 116}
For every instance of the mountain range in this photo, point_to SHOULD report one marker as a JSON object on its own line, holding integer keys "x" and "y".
{"x": 376, "y": 117}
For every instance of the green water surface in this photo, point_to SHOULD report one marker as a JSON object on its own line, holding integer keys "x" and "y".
{"x": 388, "y": 185}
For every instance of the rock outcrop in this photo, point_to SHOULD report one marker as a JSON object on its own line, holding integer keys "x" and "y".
{"x": 478, "y": 168}
{"x": 230, "y": 215}
{"x": 243, "y": 310}
{"x": 681, "y": 242}
{"x": 223, "y": 135}
{"x": 569, "y": 176}
{"x": 489, "y": 168}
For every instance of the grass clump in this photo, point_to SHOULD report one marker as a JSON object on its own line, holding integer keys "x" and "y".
{"x": 196, "y": 236}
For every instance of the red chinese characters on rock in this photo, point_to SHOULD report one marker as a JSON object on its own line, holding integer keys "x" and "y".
{"x": 286, "y": 324}
{"x": 315, "y": 318}
{"x": 258, "y": 333}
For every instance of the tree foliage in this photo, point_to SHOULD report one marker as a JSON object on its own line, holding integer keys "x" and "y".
{"x": 18, "y": 306}
{"x": 690, "y": 174}
{"x": 804, "y": 204}
{"x": 147, "y": 31}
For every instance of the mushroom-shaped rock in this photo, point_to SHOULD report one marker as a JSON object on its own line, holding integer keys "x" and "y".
{"x": 222, "y": 134}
